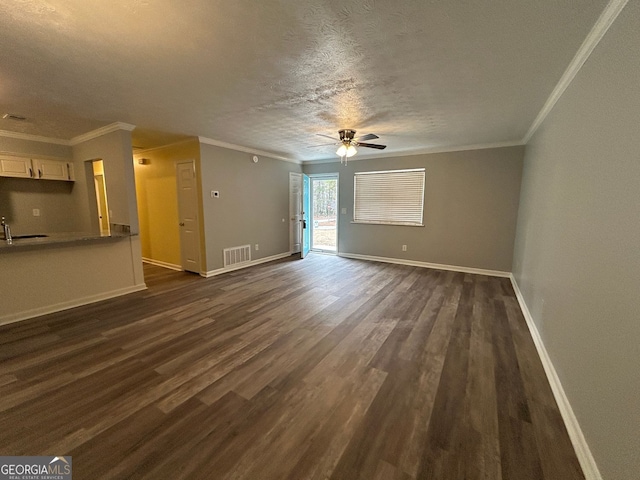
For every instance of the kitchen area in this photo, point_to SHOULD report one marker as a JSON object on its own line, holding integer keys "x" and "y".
{"x": 69, "y": 232}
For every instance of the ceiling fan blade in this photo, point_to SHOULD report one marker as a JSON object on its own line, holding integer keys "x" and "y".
{"x": 372, "y": 145}
{"x": 368, "y": 136}
{"x": 327, "y": 136}
{"x": 323, "y": 145}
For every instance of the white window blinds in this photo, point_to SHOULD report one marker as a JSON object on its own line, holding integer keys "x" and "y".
{"x": 392, "y": 197}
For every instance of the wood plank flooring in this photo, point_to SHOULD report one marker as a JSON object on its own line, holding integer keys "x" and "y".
{"x": 323, "y": 368}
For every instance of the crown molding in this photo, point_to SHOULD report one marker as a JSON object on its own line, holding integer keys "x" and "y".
{"x": 142, "y": 151}
{"x": 101, "y": 131}
{"x": 33, "y": 138}
{"x": 75, "y": 140}
{"x": 231, "y": 146}
{"x": 606, "y": 19}
{"x": 423, "y": 151}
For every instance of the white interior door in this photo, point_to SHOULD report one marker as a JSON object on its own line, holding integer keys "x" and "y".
{"x": 188, "y": 215}
{"x": 295, "y": 212}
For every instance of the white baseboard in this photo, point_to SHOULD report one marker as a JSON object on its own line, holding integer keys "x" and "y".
{"x": 436, "y": 266}
{"x": 77, "y": 302}
{"x": 587, "y": 462}
{"x": 160, "y": 263}
{"x": 220, "y": 271}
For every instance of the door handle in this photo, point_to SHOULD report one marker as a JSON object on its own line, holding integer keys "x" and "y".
{"x": 304, "y": 224}
{"x": 181, "y": 224}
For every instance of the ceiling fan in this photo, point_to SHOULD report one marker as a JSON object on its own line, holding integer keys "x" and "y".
{"x": 348, "y": 143}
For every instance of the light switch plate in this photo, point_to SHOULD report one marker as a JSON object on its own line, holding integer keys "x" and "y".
{"x": 343, "y": 211}
{"x": 36, "y": 212}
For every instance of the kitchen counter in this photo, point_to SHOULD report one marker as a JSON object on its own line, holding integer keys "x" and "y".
{"x": 59, "y": 239}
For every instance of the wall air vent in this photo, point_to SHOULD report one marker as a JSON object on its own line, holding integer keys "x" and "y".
{"x": 236, "y": 255}
{"x": 11, "y": 116}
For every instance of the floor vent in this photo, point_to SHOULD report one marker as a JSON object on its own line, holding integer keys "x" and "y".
{"x": 237, "y": 255}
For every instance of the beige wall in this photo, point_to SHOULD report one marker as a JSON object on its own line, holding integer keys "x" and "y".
{"x": 47, "y": 279}
{"x": 156, "y": 191}
{"x": 471, "y": 203}
{"x": 577, "y": 257}
{"x": 54, "y": 199}
{"x": 254, "y": 198}
{"x": 29, "y": 147}
{"x": 115, "y": 150}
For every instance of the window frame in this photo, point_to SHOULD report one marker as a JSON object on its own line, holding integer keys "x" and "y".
{"x": 389, "y": 222}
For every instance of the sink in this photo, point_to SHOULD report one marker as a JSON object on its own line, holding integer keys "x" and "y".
{"x": 18, "y": 237}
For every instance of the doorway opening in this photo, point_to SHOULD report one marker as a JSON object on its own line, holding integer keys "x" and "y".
{"x": 324, "y": 213}
{"x": 295, "y": 212}
{"x": 101, "y": 197}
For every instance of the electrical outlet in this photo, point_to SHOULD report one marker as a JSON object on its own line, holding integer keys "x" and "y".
{"x": 404, "y": 248}
{"x": 36, "y": 212}
{"x": 257, "y": 247}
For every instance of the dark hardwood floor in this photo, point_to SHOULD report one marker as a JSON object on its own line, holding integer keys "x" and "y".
{"x": 321, "y": 368}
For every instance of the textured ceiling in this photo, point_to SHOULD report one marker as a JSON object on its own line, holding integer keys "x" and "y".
{"x": 270, "y": 75}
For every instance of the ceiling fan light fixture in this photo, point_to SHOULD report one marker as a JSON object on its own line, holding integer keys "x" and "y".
{"x": 348, "y": 143}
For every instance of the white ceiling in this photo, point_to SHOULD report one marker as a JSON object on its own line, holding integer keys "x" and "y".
{"x": 270, "y": 75}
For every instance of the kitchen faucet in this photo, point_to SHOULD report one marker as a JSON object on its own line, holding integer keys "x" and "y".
{"x": 6, "y": 229}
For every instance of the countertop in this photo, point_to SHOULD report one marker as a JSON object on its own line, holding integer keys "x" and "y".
{"x": 58, "y": 239}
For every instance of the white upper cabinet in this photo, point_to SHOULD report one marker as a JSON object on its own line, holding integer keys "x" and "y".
{"x": 15, "y": 167}
{"x": 52, "y": 169}
{"x": 41, "y": 169}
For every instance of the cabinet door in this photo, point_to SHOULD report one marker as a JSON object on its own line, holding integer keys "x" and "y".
{"x": 52, "y": 170}
{"x": 15, "y": 167}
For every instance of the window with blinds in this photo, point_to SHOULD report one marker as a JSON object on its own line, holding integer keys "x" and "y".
{"x": 391, "y": 197}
